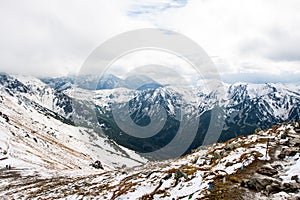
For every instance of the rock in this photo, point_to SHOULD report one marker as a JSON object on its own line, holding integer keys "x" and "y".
{"x": 278, "y": 166}
{"x": 281, "y": 156}
{"x": 273, "y": 188}
{"x": 292, "y": 151}
{"x": 216, "y": 154}
{"x": 5, "y": 117}
{"x": 244, "y": 183}
{"x": 283, "y": 136}
{"x": 179, "y": 174}
{"x": 228, "y": 164}
{"x": 225, "y": 153}
{"x": 291, "y": 187}
{"x": 268, "y": 171}
{"x": 168, "y": 176}
{"x": 297, "y": 130}
{"x": 97, "y": 165}
{"x": 257, "y": 184}
{"x": 284, "y": 142}
{"x": 288, "y": 152}
{"x": 237, "y": 145}
{"x": 257, "y": 154}
{"x": 228, "y": 147}
{"x": 295, "y": 142}
{"x": 295, "y": 178}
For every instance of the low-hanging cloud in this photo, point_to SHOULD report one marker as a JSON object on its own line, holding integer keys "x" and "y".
{"x": 53, "y": 38}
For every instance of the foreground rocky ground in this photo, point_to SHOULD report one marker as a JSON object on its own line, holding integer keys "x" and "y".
{"x": 277, "y": 177}
{"x": 242, "y": 168}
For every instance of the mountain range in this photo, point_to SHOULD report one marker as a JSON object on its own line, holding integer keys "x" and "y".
{"x": 54, "y": 131}
{"x": 242, "y": 107}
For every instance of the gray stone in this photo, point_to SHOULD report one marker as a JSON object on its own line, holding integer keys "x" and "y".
{"x": 283, "y": 135}
{"x": 268, "y": 171}
{"x": 288, "y": 152}
{"x": 257, "y": 184}
{"x": 295, "y": 178}
{"x": 295, "y": 142}
{"x": 273, "y": 188}
{"x": 291, "y": 187}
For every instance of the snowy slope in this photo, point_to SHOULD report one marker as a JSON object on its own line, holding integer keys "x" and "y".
{"x": 50, "y": 157}
{"x": 188, "y": 177}
{"x": 32, "y": 138}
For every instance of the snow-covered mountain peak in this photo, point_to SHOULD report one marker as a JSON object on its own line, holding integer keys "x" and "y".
{"x": 40, "y": 145}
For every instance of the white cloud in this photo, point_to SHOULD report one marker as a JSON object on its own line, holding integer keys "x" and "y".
{"x": 52, "y": 38}
{"x": 55, "y": 37}
{"x": 241, "y": 36}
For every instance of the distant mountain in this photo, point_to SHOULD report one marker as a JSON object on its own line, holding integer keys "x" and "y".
{"x": 50, "y": 136}
{"x": 242, "y": 108}
{"x": 85, "y": 82}
{"x": 245, "y": 107}
{"x": 109, "y": 81}
{"x": 59, "y": 84}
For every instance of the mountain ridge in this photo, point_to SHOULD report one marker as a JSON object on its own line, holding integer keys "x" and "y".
{"x": 246, "y": 107}
{"x": 38, "y": 146}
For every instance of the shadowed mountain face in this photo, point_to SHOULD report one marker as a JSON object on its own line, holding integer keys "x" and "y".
{"x": 244, "y": 107}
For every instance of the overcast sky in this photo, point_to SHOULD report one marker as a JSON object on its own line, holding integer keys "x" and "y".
{"x": 249, "y": 40}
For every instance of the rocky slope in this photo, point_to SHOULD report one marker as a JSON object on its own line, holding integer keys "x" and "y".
{"x": 242, "y": 168}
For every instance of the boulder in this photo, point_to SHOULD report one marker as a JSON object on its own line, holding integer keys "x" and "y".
{"x": 273, "y": 188}
{"x": 295, "y": 142}
{"x": 228, "y": 147}
{"x": 257, "y": 184}
{"x": 228, "y": 164}
{"x": 97, "y": 165}
{"x": 284, "y": 142}
{"x": 291, "y": 187}
{"x": 295, "y": 178}
{"x": 179, "y": 174}
{"x": 268, "y": 171}
{"x": 288, "y": 152}
{"x": 244, "y": 183}
{"x": 225, "y": 153}
{"x": 167, "y": 177}
{"x": 281, "y": 155}
{"x": 216, "y": 154}
{"x": 283, "y": 135}
{"x": 5, "y": 117}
